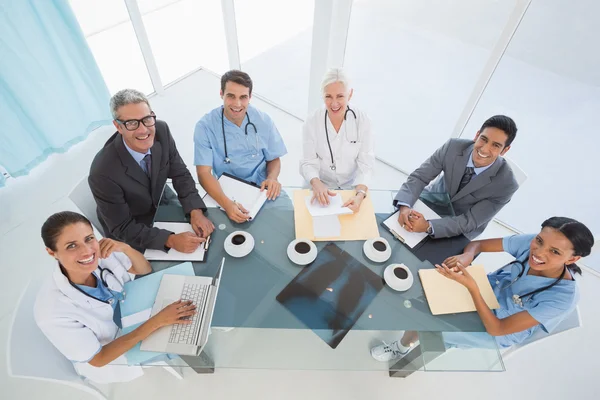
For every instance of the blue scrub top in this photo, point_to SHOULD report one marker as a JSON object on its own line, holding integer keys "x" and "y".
{"x": 101, "y": 292}
{"x": 548, "y": 307}
{"x": 248, "y": 161}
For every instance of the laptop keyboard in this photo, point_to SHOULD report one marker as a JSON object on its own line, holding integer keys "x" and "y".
{"x": 188, "y": 333}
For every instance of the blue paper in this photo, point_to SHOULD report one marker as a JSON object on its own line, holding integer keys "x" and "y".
{"x": 135, "y": 356}
{"x": 141, "y": 293}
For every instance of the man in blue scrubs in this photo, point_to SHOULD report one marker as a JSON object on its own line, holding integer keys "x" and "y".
{"x": 238, "y": 139}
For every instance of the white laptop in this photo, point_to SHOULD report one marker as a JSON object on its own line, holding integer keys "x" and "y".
{"x": 185, "y": 339}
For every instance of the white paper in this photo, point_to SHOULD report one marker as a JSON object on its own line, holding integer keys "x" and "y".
{"x": 411, "y": 239}
{"x": 249, "y": 196}
{"x": 138, "y": 317}
{"x": 334, "y": 208}
{"x": 174, "y": 255}
{"x": 327, "y": 226}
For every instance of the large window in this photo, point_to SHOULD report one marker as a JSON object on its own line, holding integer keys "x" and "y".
{"x": 274, "y": 38}
{"x": 185, "y": 35}
{"x": 414, "y": 64}
{"x": 113, "y": 43}
{"x": 549, "y": 82}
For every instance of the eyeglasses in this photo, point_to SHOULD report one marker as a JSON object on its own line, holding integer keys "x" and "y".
{"x": 133, "y": 124}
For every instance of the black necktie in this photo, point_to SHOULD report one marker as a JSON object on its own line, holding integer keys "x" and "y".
{"x": 148, "y": 161}
{"x": 466, "y": 178}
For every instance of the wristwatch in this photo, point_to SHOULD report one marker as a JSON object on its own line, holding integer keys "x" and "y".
{"x": 430, "y": 228}
{"x": 361, "y": 191}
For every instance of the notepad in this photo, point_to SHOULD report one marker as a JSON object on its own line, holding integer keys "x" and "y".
{"x": 411, "y": 239}
{"x": 246, "y": 193}
{"x": 446, "y": 296}
{"x": 174, "y": 255}
{"x": 335, "y": 207}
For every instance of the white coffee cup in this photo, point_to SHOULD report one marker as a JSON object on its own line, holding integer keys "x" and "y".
{"x": 302, "y": 251}
{"x": 398, "y": 277}
{"x": 377, "y": 250}
{"x": 239, "y": 244}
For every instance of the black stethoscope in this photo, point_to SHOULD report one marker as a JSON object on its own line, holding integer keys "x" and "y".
{"x": 103, "y": 273}
{"x": 227, "y": 160}
{"x": 348, "y": 109}
{"x": 518, "y": 299}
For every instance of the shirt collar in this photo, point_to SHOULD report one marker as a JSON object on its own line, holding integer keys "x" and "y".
{"x": 137, "y": 156}
{"x": 64, "y": 286}
{"x": 478, "y": 170}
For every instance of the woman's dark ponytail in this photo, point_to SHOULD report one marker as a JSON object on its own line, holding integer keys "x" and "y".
{"x": 578, "y": 234}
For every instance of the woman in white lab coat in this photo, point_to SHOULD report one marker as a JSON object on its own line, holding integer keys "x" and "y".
{"x": 337, "y": 144}
{"x": 75, "y": 307}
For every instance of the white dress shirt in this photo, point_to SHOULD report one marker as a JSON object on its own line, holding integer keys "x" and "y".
{"x": 352, "y": 149}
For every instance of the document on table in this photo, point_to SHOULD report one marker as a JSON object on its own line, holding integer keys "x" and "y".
{"x": 333, "y": 208}
{"x": 411, "y": 239}
{"x": 136, "y": 318}
{"x": 359, "y": 226}
{"x": 446, "y": 296}
{"x": 174, "y": 255}
{"x": 246, "y": 193}
{"x": 327, "y": 226}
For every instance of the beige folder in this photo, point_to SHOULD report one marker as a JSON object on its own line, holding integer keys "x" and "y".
{"x": 446, "y": 296}
{"x": 359, "y": 226}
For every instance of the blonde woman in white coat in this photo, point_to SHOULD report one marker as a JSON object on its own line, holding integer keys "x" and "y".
{"x": 337, "y": 150}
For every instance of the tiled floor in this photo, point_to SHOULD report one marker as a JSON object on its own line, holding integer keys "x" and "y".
{"x": 569, "y": 358}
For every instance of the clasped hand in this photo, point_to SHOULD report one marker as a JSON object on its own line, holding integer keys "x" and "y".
{"x": 411, "y": 220}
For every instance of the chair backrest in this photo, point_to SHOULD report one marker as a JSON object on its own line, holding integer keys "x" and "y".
{"x": 520, "y": 175}
{"x": 83, "y": 198}
{"x": 572, "y": 321}
{"x": 30, "y": 354}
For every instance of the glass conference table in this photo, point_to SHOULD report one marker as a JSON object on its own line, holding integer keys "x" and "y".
{"x": 251, "y": 329}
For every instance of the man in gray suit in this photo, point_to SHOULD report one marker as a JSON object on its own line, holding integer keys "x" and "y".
{"x": 478, "y": 181}
{"x": 129, "y": 173}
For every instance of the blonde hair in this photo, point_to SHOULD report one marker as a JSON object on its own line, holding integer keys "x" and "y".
{"x": 335, "y": 75}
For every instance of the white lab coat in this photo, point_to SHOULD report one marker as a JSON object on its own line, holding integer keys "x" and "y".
{"x": 354, "y": 161}
{"x": 79, "y": 325}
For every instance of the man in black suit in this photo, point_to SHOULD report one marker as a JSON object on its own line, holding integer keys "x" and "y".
{"x": 129, "y": 173}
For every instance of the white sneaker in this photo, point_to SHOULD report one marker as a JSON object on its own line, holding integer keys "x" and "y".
{"x": 388, "y": 352}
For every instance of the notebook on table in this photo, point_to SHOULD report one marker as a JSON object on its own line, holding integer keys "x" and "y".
{"x": 172, "y": 254}
{"x": 246, "y": 193}
{"x": 446, "y": 296}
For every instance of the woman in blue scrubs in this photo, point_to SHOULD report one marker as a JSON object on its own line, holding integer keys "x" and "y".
{"x": 536, "y": 291}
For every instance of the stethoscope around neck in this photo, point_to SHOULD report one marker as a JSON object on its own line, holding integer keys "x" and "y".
{"x": 104, "y": 272}
{"x": 348, "y": 109}
{"x": 227, "y": 160}
{"x": 518, "y": 299}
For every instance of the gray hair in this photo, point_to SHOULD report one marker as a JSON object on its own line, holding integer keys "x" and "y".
{"x": 335, "y": 75}
{"x": 124, "y": 97}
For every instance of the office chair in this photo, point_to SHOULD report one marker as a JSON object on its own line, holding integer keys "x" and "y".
{"x": 83, "y": 198}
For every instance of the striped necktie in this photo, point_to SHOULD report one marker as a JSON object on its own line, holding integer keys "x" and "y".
{"x": 466, "y": 178}
{"x": 148, "y": 162}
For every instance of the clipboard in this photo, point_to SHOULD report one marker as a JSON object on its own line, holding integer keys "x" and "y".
{"x": 411, "y": 239}
{"x": 246, "y": 193}
{"x": 173, "y": 255}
